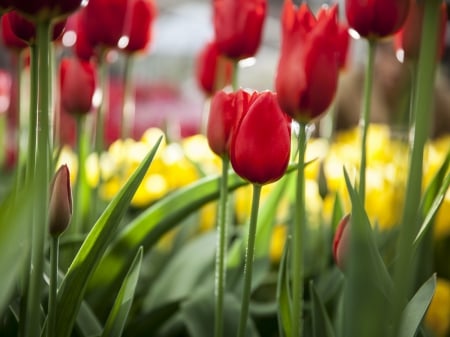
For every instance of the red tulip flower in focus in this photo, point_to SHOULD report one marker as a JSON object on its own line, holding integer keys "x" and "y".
{"x": 37, "y": 10}
{"x": 77, "y": 85}
{"x": 138, "y": 27}
{"x": 341, "y": 241}
{"x": 213, "y": 71}
{"x": 309, "y": 63}
{"x": 408, "y": 38}
{"x": 376, "y": 18}
{"x": 261, "y": 140}
{"x": 238, "y": 26}
{"x": 225, "y": 110}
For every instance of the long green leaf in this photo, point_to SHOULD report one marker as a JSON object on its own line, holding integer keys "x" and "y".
{"x": 416, "y": 308}
{"x": 284, "y": 294}
{"x": 119, "y": 313}
{"x": 14, "y": 242}
{"x": 74, "y": 284}
{"x": 150, "y": 226}
{"x": 321, "y": 322}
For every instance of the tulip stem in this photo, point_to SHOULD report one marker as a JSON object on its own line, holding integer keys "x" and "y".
{"x": 298, "y": 232}
{"x": 41, "y": 180}
{"x": 53, "y": 286}
{"x": 248, "y": 267}
{"x": 365, "y": 121}
{"x": 128, "y": 107}
{"x": 235, "y": 75}
{"x": 423, "y": 96}
{"x": 221, "y": 249}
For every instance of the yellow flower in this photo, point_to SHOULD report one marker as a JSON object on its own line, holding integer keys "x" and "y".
{"x": 277, "y": 242}
{"x": 438, "y": 314}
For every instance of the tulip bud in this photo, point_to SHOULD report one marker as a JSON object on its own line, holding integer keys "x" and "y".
{"x": 341, "y": 242}
{"x": 10, "y": 39}
{"x": 60, "y": 206}
{"x": 43, "y": 9}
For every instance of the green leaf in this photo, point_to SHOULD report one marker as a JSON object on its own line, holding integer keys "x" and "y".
{"x": 416, "y": 308}
{"x": 74, "y": 284}
{"x": 14, "y": 241}
{"x": 119, "y": 313}
{"x": 321, "y": 322}
{"x": 184, "y": 272}
{"x": 150, "y": 226}
{"x": 198, "y": 315}
{"x": 284, "y": 293}
{"x": 338, "y": 211}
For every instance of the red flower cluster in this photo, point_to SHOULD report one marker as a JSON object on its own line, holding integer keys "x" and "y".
{"x": 253, "y": 131}
{"x": 376, "y": 18}
{"x": 238, "y": 26}
{"x": 309, "y": 63}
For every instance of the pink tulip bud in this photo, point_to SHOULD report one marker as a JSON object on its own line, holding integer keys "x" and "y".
{"x": 60, "y": 206}
{"x": 341, "y": 242}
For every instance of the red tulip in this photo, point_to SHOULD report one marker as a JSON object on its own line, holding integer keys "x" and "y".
{"x": 37, "y": 10}
{"x": 26, "y": 30}
{"x": 104, "y": 22}
{"x": 261, "y": 141}
{"x": 213, "y": 71}
{"x": 138, "y": 27}
{"x": 10, "y": 39}
{"x": 77, "y": 85}
{"x": 225, "y": 110}
{"x": 238, "y": 26}
{"x": 309, "y": 63}
{"x": 376, "y": 18}
{"x": 343, "y": 42}
{"x": 60, "y": 206}
{"x": 408, "y": 38}
{"x": 341, "y": 241}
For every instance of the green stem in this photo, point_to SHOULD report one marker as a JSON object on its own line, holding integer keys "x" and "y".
{"x": 51, "y": 320}
{"x": 248, "y": 268}
{"x": 80, "y": 194}
{"x": 298, "y": 232}
{"x": 423, "y": 96}
{"x": 222, "y": 240}
{"x": 234, "y": 76}
{"x": 128, "y": 108}
{"x": 32, "y": 126}
{"x": 41, "y": 181}
{"x": 365, "y": 121}
{"x": 101, "y": 111}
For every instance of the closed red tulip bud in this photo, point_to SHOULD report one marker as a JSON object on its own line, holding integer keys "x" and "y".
{"x": 225, "y": 110}
{"x": 77, "y": 85}
{"x": 376, "y": 18}
{"x": 83, "y": 48}
{"x": 143, "y": 13}
{"x": 309, "y": 62}
{"x": 25, "y": 29}
{"x": 238, "y": 26}
{"x": 213, "y": 71}
{"x": 261, "y": 141}
{"x": 60, "y": 206}
{"x": 341, "y": 242}
{"x": 104, "y": 22}
{"x": 408, "y": 38}
{"x": 37, "y": 10}
{"x": 343, "y": 43}
{"x": 10, "y": 39}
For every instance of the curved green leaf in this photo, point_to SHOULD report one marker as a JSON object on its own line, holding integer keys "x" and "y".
{"x": 284, "y": 294}
{"x": 321, "y": 322}
{"x": 119, "y": 313}
{"x": 74, "y": 284}
{"x": 416, "y": 308}
{"x": 150, "y": 226}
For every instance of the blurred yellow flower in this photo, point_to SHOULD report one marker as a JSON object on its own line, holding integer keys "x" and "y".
{"x": 438, "y": 314}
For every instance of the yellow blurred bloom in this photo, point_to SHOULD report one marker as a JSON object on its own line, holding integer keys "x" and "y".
{"x": 438, "y": 314}
{"x": 277, "y": 242}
